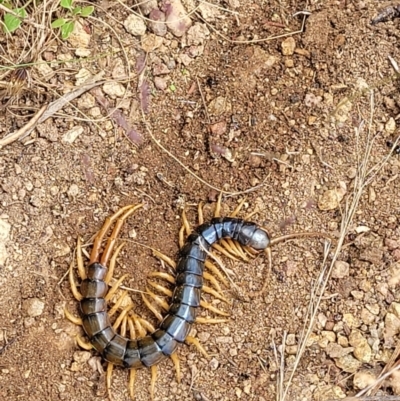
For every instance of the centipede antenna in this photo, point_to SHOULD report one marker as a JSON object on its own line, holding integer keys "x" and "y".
{"x": 310, "y": 234}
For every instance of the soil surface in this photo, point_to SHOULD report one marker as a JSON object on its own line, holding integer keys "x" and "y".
{"x": 284, "y": 122}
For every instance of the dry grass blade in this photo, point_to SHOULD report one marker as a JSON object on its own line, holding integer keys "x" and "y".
{"x": 364, "y": 177}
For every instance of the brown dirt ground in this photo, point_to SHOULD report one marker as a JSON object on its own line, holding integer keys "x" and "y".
{"x": 51, "y": 192}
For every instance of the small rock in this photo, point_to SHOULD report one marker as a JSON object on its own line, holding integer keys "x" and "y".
{"x": 157, "y": 24}
{"x": 348, "y": 364}
{"x": 357, "y": 294}
{"x": 392, "y": 244}
{"x": 351, "y": 321}
{"x": 373, "y": 255}
{"x": 161, "y": 83}
{"x": 373, "y": 308}
{"x": 114, "y": 89}
{"x": 5, "y": 228}
{"x": 291, "y": 339}
{"x": 340, "y": 269}
{"x": 177, "y": 19}
{"x": 218, "y": 128}
{"x": 135, "y": 25}
{"x": 219, "y": 105}
{"x": 151, "y": 42}
{"x": 197, "y": 34}
{"x": 392, "y": 326}
{"x": 390, "y": 126}
{"x": 71, "y": 135}
{"x": 214, "y": 364}
{"x": 394, "y": 382}
{"x": 79, "y": 38}
{"x": 73, "y": 190}
{"x": 147, "y": 6}
{"x": 208, "y": 11}
{"x": 342, "y": 111}
{"x": 288, "y": 46}
{"x": 81, "y": 356}
{"x": 362, "y": 350}
{"x": 61, "y": 248}
{"x": 33, "y": 307}
{"x": 363, "y": 379}
{"x": 330, "y": 199}
{"x": 336, "y": 351}
{"x": 395, "y": 309}
{"x": 322, "y": 319}
{"x": 367, "y": 317}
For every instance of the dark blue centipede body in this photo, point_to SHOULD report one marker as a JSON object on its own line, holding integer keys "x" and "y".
{"x": 175, "y": 327}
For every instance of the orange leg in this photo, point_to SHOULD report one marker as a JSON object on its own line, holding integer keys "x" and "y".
{"x": 125, "y": 212}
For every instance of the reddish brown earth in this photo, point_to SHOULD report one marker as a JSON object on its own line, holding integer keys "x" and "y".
{"x": 285, "y": 130}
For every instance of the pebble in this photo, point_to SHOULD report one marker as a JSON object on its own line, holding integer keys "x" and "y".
{"x": 214, "y": 364}
{"x": 392, "y": 326}
{"x": 79, "y": 38}
{"x": 151, "y": 42}
{"x": 394, "y": 382}
{"x": 340, "y": 269}
{"x": 177, "y": 19}
{"x": 288, "y": 46}
{"x": 395, "y": 309}
{"x": 114, "y": 89}
{"x": 218, "y": 128}
{"x": 367, "y": 317}
{"x": 82, "y": 356}
{"x": 5, "y": 228}
{"x": 203, "y": 336}
{"x": 348, "y": 363}
{"x": 135, "y": 25}
{"x": 363, "y": 379}
{"x": 147, "y": 6}
{"x": 334, "y": 350}
{"x": 291, "y": 339}
{"x": 351, "y": 321}
{"x": 362, "y": 350}
{"x": 390, "y": 126}
{"x": 330, "y": 199}
{"x": 161, "y": 83}
{"x": 219, "y": 105}
{"x": 157, "y": 25}
{"x": 33, "y": 307}
{"x": 71, "y": 135}
{"x": 373, "y": 308}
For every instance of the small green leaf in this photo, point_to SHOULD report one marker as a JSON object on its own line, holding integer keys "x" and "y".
{"x": 86, "y": 11}
{"x": 172, "y": 88}
{"x": 58, "y": 23}
{"x": 66, "y": 4}
{"x": 77, "y": 10}
{"x": 11, "y": 22}
{"x": 67, "y": 29}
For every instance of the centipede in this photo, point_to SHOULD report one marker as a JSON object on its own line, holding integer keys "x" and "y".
{"x": 147, "y": 346}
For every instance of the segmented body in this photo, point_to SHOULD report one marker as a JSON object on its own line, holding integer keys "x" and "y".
{"x": 175, "y": 327}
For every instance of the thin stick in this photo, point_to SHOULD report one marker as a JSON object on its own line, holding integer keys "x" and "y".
{"x": 22, "y": 131}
